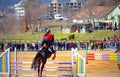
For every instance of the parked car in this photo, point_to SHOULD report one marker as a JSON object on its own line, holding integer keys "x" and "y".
{"x": 48, "y": 17}
{"x": 65, "y": 18}
{"x": 60, "y": 17}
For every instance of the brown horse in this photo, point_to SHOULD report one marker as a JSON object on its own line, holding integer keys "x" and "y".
{"x": 118, "y": 47}
{"x": 98, "y": 45}
{"x": 41, "y": 59}
{"x": 117, "y": 51}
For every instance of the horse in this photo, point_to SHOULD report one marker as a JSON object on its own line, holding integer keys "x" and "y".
{"x": 41, "y": 59}
{"x": 118, "y": 47}
{"x": 117, "y": 51}
{"x": 98, "y": 44}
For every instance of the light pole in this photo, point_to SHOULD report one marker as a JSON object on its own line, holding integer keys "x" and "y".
{"x": 39, "y": 21}
{"x": 6, "y": 32}
{"x": 93, "y": 13}
{"x": 6, "y": 29}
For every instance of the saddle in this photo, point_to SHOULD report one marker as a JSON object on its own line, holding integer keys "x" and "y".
{"x": 42, "y": 52}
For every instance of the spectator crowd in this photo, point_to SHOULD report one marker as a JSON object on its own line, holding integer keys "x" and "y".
{"x": 106, "y": 43}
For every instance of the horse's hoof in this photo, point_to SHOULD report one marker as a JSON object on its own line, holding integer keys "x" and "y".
{"x": 40, "y": 75}
{"x": 32, "y": 67}
{"x": 53, "y": 58}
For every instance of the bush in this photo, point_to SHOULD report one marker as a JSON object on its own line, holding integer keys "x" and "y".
{"x": 62, "y": 39}
{"x": 72, "y": 36}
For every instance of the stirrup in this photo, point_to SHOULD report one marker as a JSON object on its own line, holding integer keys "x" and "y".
{"x": 50, "y": 50}
{"x": 41, "y": 48}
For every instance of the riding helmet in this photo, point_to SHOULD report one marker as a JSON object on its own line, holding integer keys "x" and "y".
{"x": 48, "y": 30}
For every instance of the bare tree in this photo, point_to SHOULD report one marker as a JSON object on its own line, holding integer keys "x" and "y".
{"x": 2, "y": 20}
{"x": 29, "y": 13}
{"x": 34, "y": 11}
{"x": 11, "y": 24}
{"x": 91, "y": 3}
{"x": 8, "y": 25}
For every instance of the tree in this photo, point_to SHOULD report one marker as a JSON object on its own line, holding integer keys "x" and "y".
{"x": 25, "y": 25}
{"x": 8, "y": 25}
{"x": 91, "y": 3}
{"x": 33, "y": 11}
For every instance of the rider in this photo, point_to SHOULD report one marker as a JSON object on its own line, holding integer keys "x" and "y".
{"x": 47, "y": 41}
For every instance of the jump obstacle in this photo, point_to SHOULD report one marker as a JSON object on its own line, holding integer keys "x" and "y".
{"x": 112, "y": 56}
{"x": 77, "y": 67}
{"x": 5, "y": 62}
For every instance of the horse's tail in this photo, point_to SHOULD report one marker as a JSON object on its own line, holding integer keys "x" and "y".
{"x": 34, "y": 62}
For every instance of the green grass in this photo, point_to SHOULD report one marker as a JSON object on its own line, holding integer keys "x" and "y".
{"x": 96, "y": 35}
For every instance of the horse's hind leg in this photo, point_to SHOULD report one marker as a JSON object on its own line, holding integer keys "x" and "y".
{"x": 39, "y": 63}
{"x": 43, "y": 64}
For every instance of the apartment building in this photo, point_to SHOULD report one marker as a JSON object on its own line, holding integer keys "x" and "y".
{"x": 57, "y": 7}
{"x": 74, "y": 5}
{"x": 20, "y": 9}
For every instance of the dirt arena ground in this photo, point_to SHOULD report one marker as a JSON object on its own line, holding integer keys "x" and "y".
{"x": 102, "y": 68}
{"x": 94, "y": 68}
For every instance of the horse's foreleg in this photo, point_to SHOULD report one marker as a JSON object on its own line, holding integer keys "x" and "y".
{"x": 54, "y": 55}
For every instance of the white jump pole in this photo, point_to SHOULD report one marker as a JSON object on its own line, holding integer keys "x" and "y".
{"x": 72, "y": 63}
{"x": 15, "y": 56}
{"x": 9, "y": 62}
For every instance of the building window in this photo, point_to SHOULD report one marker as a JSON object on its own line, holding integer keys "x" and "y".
{"x": 112, "y": 18}
{"x": 119, "y": 7}
{"x": 71, "y": 3}
{"x": 79, "y": 3}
